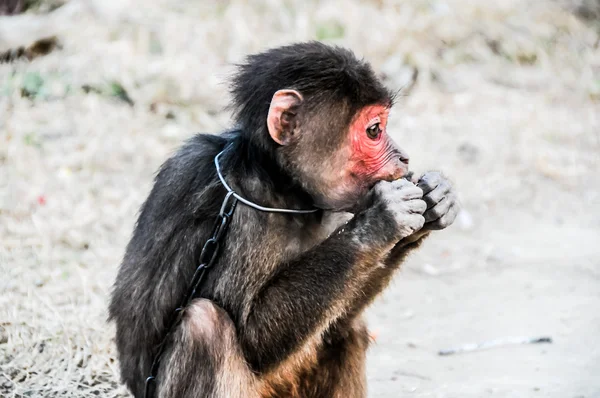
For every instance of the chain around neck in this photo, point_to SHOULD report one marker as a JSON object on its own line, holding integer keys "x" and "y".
{"x": 252, "y": 204}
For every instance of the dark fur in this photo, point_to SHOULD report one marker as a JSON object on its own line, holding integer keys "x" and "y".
{"x": 324, "y": 75}
{"x": 286, "y": 293}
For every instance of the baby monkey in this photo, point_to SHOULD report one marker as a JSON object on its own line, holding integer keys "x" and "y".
{"x": 279, "y": 314}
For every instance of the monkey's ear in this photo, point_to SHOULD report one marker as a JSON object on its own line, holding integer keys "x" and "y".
{"x": 281, "y": 120}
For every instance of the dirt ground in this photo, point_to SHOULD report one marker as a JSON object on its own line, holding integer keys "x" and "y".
{"x": 507, "y": 103}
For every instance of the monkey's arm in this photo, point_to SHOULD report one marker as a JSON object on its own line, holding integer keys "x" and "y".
{"x": 442, "y": 207}
{"x": 303, "y": 298}
{"x": 307, "y": 294}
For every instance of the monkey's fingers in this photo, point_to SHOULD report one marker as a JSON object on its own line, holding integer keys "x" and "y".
{"x": 437, "y": 194}
{"x": 401, "y": 183}
{"x": 416, "y": 206}
{"x": 399, "y": 189}
{"x": 429, "y": 181}
{"x": 443, "y": 221}
{"x": 409, "y": 193}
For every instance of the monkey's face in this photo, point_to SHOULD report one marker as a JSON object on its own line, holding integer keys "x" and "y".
{"x": 367, "y": 155}
{"x": 338, "y": 168}
{"x": 374, "y": 156}
{"x": 336, "y": 162}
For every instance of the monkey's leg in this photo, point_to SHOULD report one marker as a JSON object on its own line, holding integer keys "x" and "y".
{"x": 350, "y": 354}
{"x": 340, "y": 371}
{"x": 204, "y": 359}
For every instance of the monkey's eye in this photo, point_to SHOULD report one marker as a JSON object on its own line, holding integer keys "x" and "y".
{"x": 374, "y": 131}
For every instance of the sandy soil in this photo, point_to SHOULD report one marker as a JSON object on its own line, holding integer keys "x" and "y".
{"x": 507, "y": 103}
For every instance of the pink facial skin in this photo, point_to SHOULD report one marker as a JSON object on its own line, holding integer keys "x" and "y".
{"x": 378, "y": 158}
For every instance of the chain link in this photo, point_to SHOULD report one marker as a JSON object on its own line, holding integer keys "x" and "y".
{"x": 208, "y": 256}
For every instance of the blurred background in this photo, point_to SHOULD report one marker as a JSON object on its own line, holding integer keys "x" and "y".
{"x": 504, "y": 97}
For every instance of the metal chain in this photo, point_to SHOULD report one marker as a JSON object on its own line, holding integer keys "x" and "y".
{"x": 208, "y": 256}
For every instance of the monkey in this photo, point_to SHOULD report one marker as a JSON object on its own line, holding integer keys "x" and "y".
{"x": 280, "y": 312}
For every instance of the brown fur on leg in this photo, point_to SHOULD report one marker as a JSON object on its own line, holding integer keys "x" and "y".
{"x": 351, "y": 360}
{"x": 340, "y": 372}
{"x": 335, "y": 368}
{"x": 205, "y": 359}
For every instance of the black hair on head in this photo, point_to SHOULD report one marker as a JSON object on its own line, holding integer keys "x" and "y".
{"x": 321, "y": 73}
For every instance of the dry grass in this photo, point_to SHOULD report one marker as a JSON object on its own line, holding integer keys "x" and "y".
{"x": 507, "y": 103}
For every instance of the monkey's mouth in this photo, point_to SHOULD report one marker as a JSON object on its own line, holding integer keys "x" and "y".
{"x": 409, "y": 175}
{"x": 393, "y": 172}
{"x": 393, "y": 168}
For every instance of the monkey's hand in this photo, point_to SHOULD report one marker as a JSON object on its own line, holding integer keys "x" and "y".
{"x": 400, "y": 204}
{"x": 442, "y": 208}
{"x": 442, "y": 205}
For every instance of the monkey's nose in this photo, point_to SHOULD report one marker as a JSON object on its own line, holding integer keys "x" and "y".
{"x": 404, "y": 158}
